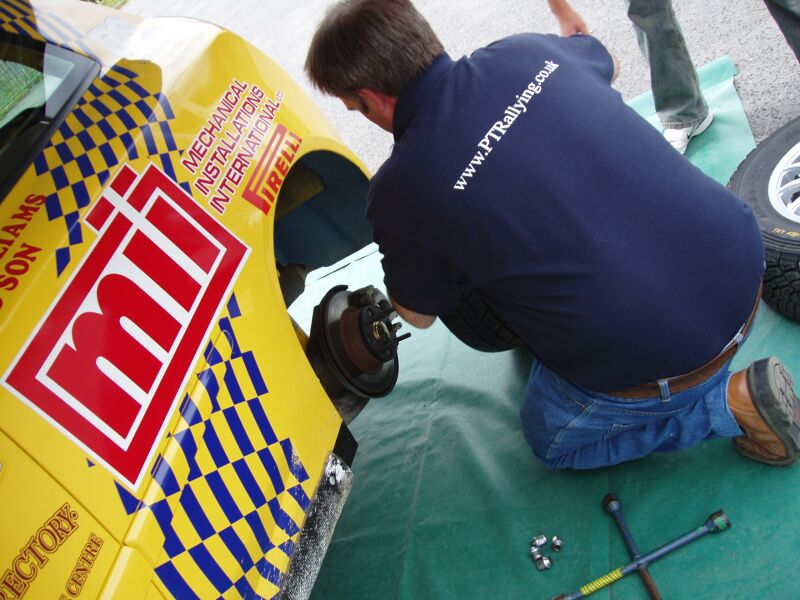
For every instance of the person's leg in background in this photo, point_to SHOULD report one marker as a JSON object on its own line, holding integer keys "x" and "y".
{"x": 787, "y": 16}
{"x": 673, "y": 78}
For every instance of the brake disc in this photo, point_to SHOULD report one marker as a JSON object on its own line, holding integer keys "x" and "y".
{"x": 354, "y": 332}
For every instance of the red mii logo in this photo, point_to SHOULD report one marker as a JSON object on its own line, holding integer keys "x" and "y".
{"x": 113, "y": 353}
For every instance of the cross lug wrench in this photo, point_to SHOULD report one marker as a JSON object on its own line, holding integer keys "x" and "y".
{"x": 613, "y": 506}
{"x": 715, "y": 523}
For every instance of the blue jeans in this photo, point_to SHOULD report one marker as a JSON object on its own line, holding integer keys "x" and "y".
{"x": 787, "y": 15}
{"x": 673, "y": 79}
{"x": 570, "y": 427}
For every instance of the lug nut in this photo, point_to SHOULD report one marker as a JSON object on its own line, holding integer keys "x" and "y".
{"x": 536, "y": 553}
{"x": 539, "y": 540}
{"x": 544, "y": 563}
{"x": 557, "y": 543}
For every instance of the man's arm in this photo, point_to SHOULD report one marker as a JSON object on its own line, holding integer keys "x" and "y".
{"x": 569, "y": 21}
{"x": 412, "y": 318}
{"x": 616, "y": 66}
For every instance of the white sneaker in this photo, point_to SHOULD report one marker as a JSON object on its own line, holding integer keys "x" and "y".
{"x": 679, "y": 138}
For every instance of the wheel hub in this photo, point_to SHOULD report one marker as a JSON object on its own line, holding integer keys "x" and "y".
{"x": 355, "y": 334}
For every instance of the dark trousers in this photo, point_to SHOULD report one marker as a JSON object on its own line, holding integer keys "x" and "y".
{"x": 787, "y": 15}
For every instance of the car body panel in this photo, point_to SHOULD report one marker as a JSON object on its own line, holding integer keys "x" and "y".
{"x": 204, "y": 469}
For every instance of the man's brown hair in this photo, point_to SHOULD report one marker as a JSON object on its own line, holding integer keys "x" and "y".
{"x": 376, "y": 44}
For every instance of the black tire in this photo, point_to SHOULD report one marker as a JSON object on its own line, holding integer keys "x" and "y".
{"x": 474, "y": 322}
{"x": 751, "y": 182}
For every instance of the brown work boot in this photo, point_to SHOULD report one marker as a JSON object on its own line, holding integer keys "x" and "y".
{"x": 765, "y": 406}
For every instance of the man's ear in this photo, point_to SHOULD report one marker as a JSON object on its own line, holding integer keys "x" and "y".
{"x": 373, "y": 97}
{"x": 379, "y": 107}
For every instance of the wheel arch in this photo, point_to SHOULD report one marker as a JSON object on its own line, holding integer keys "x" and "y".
{"x": 321, "y": 210}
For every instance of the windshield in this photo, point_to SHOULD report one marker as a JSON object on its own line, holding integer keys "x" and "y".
{"x": 39, "y": 83}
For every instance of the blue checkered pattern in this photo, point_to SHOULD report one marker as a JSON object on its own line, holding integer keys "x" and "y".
{"x": 17, "y": 16}
{"x": 243, "y": 503}
{"x": 123, "y": 116}
{"x": 118, "y": 119}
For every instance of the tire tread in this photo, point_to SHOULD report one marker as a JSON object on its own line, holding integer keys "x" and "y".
{"x": 782, "y": 283}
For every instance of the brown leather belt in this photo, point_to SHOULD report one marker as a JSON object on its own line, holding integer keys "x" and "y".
{"x": 698, "y": 376}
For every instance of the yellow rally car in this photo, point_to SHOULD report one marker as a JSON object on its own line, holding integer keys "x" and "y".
{"x": 165, "y": 429}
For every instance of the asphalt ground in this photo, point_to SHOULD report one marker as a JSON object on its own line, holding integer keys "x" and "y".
{"x": 768, "y": 78}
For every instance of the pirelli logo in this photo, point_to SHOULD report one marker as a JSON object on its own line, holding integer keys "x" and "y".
{"x": 114, "y": 351}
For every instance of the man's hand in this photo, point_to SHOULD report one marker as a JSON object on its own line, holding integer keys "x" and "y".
{"x": 412, "y": 318}
{"x": 572, "y": 23}
{"x": 569, "y": 21}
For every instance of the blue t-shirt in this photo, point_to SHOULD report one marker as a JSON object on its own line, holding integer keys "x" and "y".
{"x": 519, "y": 171}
